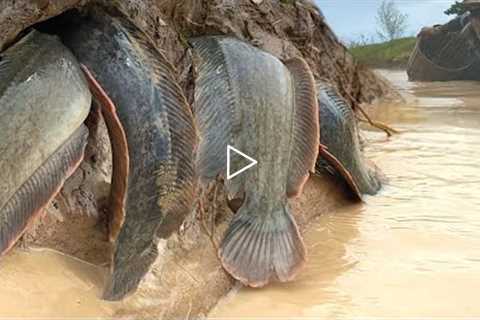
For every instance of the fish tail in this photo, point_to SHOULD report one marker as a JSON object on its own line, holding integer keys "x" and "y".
{"x": 259, "y": 247}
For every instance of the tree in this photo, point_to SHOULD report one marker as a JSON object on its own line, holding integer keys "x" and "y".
{"x": 392, "y": 23}
{"x": 456, "y": 8}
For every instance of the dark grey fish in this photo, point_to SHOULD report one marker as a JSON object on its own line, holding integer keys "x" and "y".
{"x": 158, "y": 127}
{"x": 250, "y": 100}
{"x": 340, "y": 135}
{"x": 44, "y": 100}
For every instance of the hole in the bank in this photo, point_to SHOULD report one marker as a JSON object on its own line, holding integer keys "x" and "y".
{"x": 55, "y": 24}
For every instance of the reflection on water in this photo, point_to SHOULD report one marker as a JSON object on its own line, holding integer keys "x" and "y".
{"x": 48, "y": 285}
{"x": 413, "y": 250}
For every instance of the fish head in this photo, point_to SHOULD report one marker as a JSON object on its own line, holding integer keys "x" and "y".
{"x": 129, "y": 267}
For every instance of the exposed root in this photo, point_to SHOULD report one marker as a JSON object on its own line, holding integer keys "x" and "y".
{"x": 187, "y": 272}
{"x": 379, "y": 125}
{"x": 206, "y": 229}
{"x": 354, "y": 104}
{"x": 209, "y": 230}
{"x": 214, "y": 213}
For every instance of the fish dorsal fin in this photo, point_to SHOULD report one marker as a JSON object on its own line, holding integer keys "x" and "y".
{"x": 306, "y": 132}
{"x": 152, "y": 59}
{"x": 214, "y": 106}
{"x": 176, "y": 178}
{"x": 4, "y": 63}
{"x": 331, "y": 94}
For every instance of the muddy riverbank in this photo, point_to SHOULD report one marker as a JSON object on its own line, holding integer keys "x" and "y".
{"x": 192, "y": 280}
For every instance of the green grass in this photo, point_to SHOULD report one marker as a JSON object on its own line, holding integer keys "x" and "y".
{"x": 387, "y": 54}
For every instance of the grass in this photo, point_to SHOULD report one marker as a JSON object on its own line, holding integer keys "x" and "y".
{"x": 391, "y": 54}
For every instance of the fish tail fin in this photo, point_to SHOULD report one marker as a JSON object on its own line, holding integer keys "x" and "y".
{"x": 258, "y": 247}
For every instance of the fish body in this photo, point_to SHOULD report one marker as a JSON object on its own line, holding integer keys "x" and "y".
{"x": 44, "y": 100}
{"x": 156, "y": 165}
{"x": 340, "y": 135}
{"x": 250, "y": 100}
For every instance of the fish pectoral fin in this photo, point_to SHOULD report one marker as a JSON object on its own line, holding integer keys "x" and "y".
{"x": 306, "y": 132}
{"x": 258, "y": 247}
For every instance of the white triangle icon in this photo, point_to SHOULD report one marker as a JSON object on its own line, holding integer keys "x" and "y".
{"x": 252, "y": 163}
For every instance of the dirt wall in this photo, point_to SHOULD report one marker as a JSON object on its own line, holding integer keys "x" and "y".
{"x": 284, "y": 28}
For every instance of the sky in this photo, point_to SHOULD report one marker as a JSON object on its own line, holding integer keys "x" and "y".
{"x": 351, "y": 19}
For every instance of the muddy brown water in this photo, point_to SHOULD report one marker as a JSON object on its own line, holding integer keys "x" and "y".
{"x": 46, "y": 284}
{"x": 412, "y": 251}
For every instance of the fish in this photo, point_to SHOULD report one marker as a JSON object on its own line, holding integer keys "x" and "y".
{"x": 44, "y": 100}
{"x": 266, "y": 108}
{"x": 153, "y": 139}
{"x": 341, "y": 139}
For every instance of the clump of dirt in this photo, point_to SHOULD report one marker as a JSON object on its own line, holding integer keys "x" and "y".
{"x": 187, "y": 279}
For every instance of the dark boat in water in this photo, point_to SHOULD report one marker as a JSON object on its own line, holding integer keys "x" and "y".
{"x": 447, "y": 52}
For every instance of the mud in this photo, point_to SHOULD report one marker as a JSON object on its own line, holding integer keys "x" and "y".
{"x": 185, "y": 283}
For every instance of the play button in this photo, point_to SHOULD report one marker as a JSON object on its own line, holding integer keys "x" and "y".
{"x": 251, "y": 162}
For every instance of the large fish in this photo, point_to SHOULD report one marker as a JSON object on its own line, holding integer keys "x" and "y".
{"x": 247, "y": 98}
{"x": 44, "y": 100}
{"x": 153, "y": 139}
{"x": 340, "y": 135}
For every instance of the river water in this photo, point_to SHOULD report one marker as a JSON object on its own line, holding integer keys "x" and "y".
{"x": 412, "y": 251}
{"x": 44, "y": 284}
